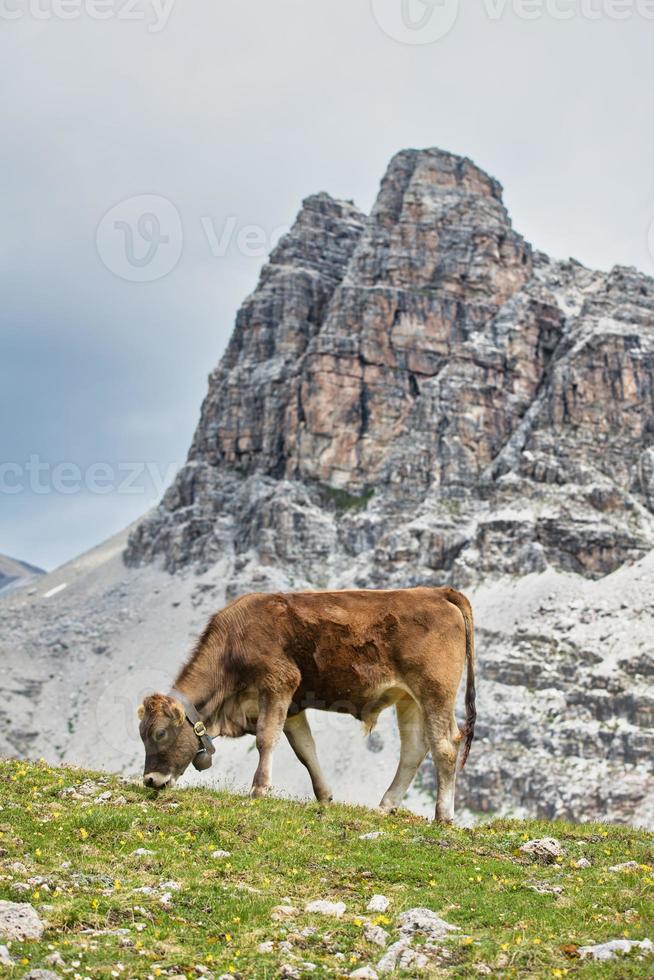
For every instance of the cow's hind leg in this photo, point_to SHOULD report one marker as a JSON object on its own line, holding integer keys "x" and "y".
{"x": 300, "y": 737}
{"x": 273, "y": 709}
{"x": 443, "y": 736}
{"x": 413, "y": 749}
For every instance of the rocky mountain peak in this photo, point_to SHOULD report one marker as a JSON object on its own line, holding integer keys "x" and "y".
{"x": 483, "y": 409}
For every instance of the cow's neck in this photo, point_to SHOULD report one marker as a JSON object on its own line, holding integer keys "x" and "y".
{"x": 221, "y": 709}
{"x": 203, "y": 695}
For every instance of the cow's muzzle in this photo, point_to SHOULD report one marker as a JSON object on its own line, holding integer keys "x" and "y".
{"x": 158, "y": 780}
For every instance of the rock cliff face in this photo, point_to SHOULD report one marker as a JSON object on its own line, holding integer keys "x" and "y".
{"x": 420, "y": 393}
{"x": 418, "y": 397}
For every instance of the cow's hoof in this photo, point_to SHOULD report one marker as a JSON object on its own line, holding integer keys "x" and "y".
{"x": 258, "y": 792}
{"x": 387, "y": 808}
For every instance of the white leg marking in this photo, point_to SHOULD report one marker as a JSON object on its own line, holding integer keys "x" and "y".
{"x": 413, "y": 749}
{"x": 300, "y": 737}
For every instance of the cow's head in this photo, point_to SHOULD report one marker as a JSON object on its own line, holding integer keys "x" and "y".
{"x": 170, "y": 741}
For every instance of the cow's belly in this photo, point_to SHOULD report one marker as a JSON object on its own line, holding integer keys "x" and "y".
{"x": 359, "y": 702}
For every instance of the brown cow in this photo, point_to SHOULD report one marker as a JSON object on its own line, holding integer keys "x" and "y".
{"x": 264, "y": 659}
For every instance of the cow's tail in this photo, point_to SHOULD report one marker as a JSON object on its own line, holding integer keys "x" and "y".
{"x": 468, "y": 731}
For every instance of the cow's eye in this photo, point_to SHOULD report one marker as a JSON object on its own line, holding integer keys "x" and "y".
{"x": 160, "y": 734}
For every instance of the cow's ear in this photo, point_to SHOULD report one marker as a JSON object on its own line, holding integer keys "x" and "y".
{"x": 140, "y": 711}
{"x": 178, "y": 713}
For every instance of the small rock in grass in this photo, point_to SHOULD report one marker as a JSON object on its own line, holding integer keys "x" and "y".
{"x": 55, "y": 959}
{"x": 609, "y": 951}
{"x": 40, "y": 975}
{"x": 18, "y": 867}
{"x": 19, "y": 920}
{"x": 285, "y": 946}
{"x": 171, "y": 886}
{"x": 625, "y": 866}
{"x": 87, "y": 788}
{"x": 166, "y": 899}
{"x": 221, "y": 854}
{"x": 378, "y": 903}
{"x": 308, "y": 931}
{"x": 376, "y": 935}
{"x": 103, "y": 797}
{"x": 142, "y": 852}
{"x": 321, "y": 907}
{"x": 545, "y": 849}
{"x": 144, "y": 890}
{"x": 5, "y": 958}
{"x": 390, "y": 959}
{"x": 224, "y": 976}
{"x": 424, "y": 921}
{"x": 280, "y": 912}
{"x": 267, "y": 947}
{"x": 364, "y": 973}
{"x": 289, "y": 972}
{"x": 544, "y": 888}
{"x": 412, "y": 959}
{"x": 373, "y": 835}
{"x": 120, "y": 801}
{"x": 69, "y": 791}
{"x": 308, "y": 966}
{"x": 582, "y": 863}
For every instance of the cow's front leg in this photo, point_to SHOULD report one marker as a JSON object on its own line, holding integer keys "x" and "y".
{"x": 273, "y": 709}
{"x": 298, "y": 732}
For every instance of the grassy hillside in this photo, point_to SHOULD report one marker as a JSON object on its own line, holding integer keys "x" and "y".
{"x": 75, "y": 842}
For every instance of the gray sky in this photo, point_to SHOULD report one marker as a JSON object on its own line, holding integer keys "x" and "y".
{"x": 233, "y": 111}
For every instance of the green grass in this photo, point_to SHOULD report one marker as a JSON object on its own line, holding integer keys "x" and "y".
{"x": 342, "y": 501}
{"x": 284, "y": 851}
